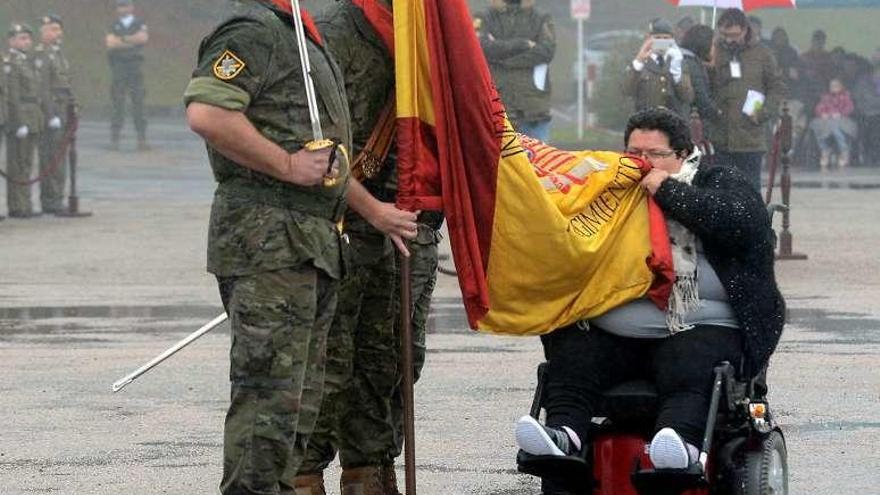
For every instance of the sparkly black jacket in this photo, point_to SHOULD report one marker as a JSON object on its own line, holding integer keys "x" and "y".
{"x": 730, "y": 219}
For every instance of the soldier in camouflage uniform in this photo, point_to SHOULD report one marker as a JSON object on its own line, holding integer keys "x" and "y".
{"x": 519, "y": 42}
{"x": 361, "y": 416}
{"x": 24, "y": 118}
{"x": 58, "y": 101}
{"x": 274, "y": 244}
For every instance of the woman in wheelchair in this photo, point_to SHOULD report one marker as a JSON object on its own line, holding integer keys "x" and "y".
{"x": 724, "y": 306}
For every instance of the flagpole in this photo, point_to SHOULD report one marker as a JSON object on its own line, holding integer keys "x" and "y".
{"x": 714, "y": 13}
{"x": 406, "y": 344}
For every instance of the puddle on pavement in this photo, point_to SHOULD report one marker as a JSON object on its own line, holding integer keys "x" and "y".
{"x": 843, "y": 328}
{"x": 447, "y": 316}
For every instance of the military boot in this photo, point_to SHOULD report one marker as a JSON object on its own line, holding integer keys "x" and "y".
{"x": 143, "y": 145}
{"x": 365, "y": 480}
{"x": 389, "y": 480}
{"x": 309, "y": 484}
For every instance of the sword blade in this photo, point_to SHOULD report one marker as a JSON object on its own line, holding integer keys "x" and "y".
{"x": 122, "y": 382}
{"x": 311, "y": 96}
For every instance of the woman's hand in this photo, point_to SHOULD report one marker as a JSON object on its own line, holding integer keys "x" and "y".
{"x": 654, "y": 180}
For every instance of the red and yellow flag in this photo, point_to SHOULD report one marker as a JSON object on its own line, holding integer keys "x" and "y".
{"x": 541, "y": 237}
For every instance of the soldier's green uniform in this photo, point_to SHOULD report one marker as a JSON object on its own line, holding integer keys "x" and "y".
{"x": 274, "y": 246}
{"x": 58, "y": 103}
{"x": 23, "y": 126}
{"x": 360, "y": 412}
{"x": 516, "y": 38}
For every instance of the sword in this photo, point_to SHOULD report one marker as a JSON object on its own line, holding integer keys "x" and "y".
{"x": 318, "y": 141}
{"x": 122, "y": 382}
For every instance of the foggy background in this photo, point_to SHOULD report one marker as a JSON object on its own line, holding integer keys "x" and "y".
{"x": 177, "y": 26}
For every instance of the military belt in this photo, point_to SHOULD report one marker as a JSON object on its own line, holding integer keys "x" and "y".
{"x": 29, "y": 99}
{"x": 282, "y": 197}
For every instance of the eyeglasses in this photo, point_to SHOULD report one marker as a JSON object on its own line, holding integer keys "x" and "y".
{"x": 650, "y": 154}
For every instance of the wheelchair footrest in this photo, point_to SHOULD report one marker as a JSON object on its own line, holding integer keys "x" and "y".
{"x": 668, "y": 481}
{"x": 568, "y": 470}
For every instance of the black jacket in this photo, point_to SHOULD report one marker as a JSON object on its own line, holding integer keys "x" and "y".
{"x": 730, "y": 219}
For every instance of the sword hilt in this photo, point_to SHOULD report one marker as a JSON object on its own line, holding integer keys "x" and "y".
{"x": 331, "y": 178}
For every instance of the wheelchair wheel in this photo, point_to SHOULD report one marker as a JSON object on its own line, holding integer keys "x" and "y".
{"x": 766, "y": 469}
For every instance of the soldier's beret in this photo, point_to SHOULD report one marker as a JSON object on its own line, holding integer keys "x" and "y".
{"x": 52, "y": 19}
{"x": 18, "y": 28}
{"x": 124, "y": 3}
{"x": 660, "y": 26}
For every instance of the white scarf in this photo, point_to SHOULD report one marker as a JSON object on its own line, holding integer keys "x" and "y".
{"x": 685, "y": 296}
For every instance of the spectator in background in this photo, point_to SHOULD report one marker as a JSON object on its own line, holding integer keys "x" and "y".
{"x": 818, "y": 70}
{"x": 747, "y": 89}
{"x": 125, "y": 51}
{"x": 656, "y": 77}
{"x": 696, "y": 46}
{"x": 867, "y": 100}
{"x": 757, "y": 26}
{"x": 833, "y": 122}
{"x": 682, "y": 27}
{"x": 519, "y": 42}
{"x": 786, "y": 57}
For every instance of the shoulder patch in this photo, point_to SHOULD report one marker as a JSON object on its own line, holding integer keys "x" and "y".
{"x": 228, "y": 66}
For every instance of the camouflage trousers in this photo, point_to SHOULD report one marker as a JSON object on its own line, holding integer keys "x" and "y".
{"x": 361, "y": 415}
{"x": 52, "y": 186}
{"x": 19, "y": 166}
{"x": 280, "y": 321}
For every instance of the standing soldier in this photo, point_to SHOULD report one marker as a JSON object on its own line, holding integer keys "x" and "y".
{"x": 58, "y": 103}
{"x": 24, "y": 119}
{"x": 657, "y": 76}
{"x": 519, "y": 42}
{"x": 361, "y": 415}
{"x": 125, "y": 50}
{"x": 273, "y": 243}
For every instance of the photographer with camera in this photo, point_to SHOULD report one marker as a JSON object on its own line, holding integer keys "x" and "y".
{"x": 656, "y": 77}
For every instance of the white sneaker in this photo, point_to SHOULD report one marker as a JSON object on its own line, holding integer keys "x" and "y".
{"x": 668, "y": 450}
{"x": 537, "y": 439}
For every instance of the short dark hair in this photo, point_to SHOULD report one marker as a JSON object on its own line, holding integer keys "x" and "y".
{"x": 698, "y": 39}
{"x": 733, "y": 17}
{"x": 666, "y": 121}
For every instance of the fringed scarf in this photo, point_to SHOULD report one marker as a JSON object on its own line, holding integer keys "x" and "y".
{"x": 685, "y": 296}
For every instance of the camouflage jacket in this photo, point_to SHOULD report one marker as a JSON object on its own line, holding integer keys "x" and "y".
{"x": 655, "y": 86}
{"x": 56, "y": 83}
{"x": 368, "y": 70}
{"x": 23, "y": 91}
{"x": 251, "y": 64}
{"x": 505, "y": 33}
{"x": 731, "y": 129}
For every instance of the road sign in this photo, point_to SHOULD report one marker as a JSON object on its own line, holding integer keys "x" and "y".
{"x": 580, "y": 10}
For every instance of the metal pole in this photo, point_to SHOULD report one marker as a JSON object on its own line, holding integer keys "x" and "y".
{"x": 122, "y": 382}
{"x": 73, "y": 157}
{"x": 406, "y": 344}
{"x": 581, "y": 78}
{"x": 785, "y": 237}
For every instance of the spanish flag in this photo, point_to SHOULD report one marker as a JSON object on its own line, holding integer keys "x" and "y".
{"x": 541, "y": 237}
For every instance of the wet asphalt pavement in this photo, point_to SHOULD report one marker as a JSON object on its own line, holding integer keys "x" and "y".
{"x": 85, "y": 301}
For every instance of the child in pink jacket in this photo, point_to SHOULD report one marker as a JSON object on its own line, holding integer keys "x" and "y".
{"x": 832, "y": 121}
